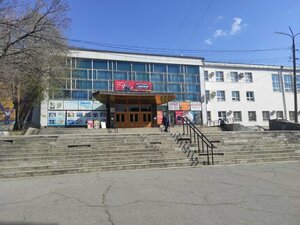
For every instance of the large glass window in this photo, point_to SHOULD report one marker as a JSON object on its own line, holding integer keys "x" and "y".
{"x": 191, "y": 78}
{"x": 103, "y": 75}
{"x": 219, "y": 76}
{"x": 138, "y": 67}
{"x": 288, "y": 83}
{"x": 79, "y": 95}
{"x": 192, "y": 69}
{"x": 120, "y": 75}
{"x": 174, "y": 87}
{"x": 80, "y": 74}
{"x": 61, "y": 94}
{"x": 123, "y": 66}
{"x": 159, "y": 87}
{"x": 176, "y": 78}
{"x": 157, "y": 77}
{"x": 101, "y": 85}
{"x": 84, "y": 63}
{"x": 83, "y": 84}
{"x": 173, "y": 69}
{"x": 276, "y": 82}
{"x": 220, "y": 96}
{"x": 100, "y": 64}
{"x": 142, "y": 76}
{"x": 192, "y": 88}
{"x": 159, "y": 68}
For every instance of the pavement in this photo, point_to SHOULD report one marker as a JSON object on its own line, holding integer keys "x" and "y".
{"x": 252, "y": 194}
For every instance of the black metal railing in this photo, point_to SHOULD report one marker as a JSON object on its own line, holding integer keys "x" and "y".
{"x": 205, "y": 146}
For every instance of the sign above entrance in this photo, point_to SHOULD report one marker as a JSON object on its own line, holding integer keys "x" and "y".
{"x": 131, "y": 85}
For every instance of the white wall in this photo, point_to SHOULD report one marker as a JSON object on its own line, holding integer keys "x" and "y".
{"x": 265, "y": 98}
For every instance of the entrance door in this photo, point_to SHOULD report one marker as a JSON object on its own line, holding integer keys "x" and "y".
{"x": 120, "y": 119}
{"x": 134, "y": 119}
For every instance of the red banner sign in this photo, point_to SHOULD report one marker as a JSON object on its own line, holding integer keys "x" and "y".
{"x": 130, "y": 85}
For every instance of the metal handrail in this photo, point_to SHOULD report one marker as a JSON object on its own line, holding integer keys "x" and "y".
{"x": 197, "y": 135}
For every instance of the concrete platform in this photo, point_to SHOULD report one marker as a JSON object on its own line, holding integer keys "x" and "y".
{"x": 256, "y": 194}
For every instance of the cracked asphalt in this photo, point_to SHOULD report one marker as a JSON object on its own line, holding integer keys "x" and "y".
{"x": 256, "y": 194}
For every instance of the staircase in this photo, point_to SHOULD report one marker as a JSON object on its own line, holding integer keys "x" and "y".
{"x": 254, "y": 147}
{"x": 37, "y": 155}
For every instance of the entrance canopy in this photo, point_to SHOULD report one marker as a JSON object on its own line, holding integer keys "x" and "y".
{"x": 111, "y": 97}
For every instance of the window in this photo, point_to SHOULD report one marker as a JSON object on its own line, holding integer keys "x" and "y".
{"x": 220, "y": 96}
{"x": 123, "y": 66}
{"x": 100, "y": 64}
{"x": 234, "y": 77}
{"x": 208, "y": 116}
{"x": 207, "y": 95}
{"x": 79, "y": 95}
{"x": 159, "y": 87}
{"x": 84, "y": 63}
{"x": 292, "y": 115}
{"x": 192, "y": 88}
{"x": 174, "y": 87}
{"x": 222, "y": 115}
{"x": 104, "y": 75}
{"x": 279, "y": 115}
{"x": 298, "y": 83}
{"x": 287, "y": 79}
{"x": 250, "y": 96}
{"x": 252, "y": 116}
{"x": 159, "y": 68}
{"x": 191, "y": 78}
{"x": 237, "y": 116}
{"x": 248, "y": 78}
{"x": 138, "y": 67}
{"x": 120, "y": 75}
{"x": 206, "y": 75}
{"x": 235, "y": 96}
{"x": 176, "y": 78}
{"x": 192, "y": 69}
{"x": 142, "y": 76}
{"x": 266, "y": 115}
{"x": 173, "y": 69}
{"x": 80, "y": 74}
{"x": 83, "y": 84}
{"x": 276, "y": 82}
{"x": 101, "y": 85}
{"x": 219, "y": 76}
{"x": 158, "y": 77}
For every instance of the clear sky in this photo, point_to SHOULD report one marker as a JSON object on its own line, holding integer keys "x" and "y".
{"x": 240, "y": 31}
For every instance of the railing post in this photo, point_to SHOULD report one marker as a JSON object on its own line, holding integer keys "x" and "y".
{"x": 212, "y": 155}
{"x": 182, "y": 120}
{"x": 203, "y": 150}
{"x": 191, "y": 134}
{"x": 207, "y": 153}
{"x": 198, "y": 144}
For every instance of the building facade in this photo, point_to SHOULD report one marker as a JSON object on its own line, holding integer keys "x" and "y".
{"x": 206, "y": 92}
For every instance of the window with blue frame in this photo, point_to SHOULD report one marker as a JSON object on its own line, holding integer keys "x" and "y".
{"x": 287, "y": 79}
{"x": 192, "y": 69}
{"x": 120, "y": 75}
{"x": 123, "y": 66}
{"x": 101, "y": 85}
{"x": 80, "y": 74}
{"x": 158, "y": 77}
{"x": 174, "y": 87}
{"x": 180, "y": 97}
{"x": 79, "y": 95}
{"x": 191, "y": 78}
{"x": 192, "y": 97}
{"x": 61, "y": 94}
{"x": 100, "y": 64}
{"x": 159, "y": 68}
{"x": 173, "y": 69}
{"x": 176, "y": 78}
{"x": 84, "y": 63}
{"x": 83, "y": 84}
{"x": 142, "y": 76}
{"x": 276, "y": 83}
{"x": 138, "y": 67}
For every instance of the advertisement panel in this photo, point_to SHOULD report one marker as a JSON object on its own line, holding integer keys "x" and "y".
{"x": 85, "y": 105}
{"x": 178, "y": 115}
{"x": 159, "y": 117}
{"x": 98, "y": 106}
{"x": 131, "y": 85}
{"x": 173, "y": 106}
{"x": 56, "y": 105}
{"x": 7, "y": 115}
{"x": 196, "y": 106}
{"x": 56, "y": 118}
{"x": 70, "y": 105}
{"x": 185, "y": 106}
{"x": 80, "y": 118}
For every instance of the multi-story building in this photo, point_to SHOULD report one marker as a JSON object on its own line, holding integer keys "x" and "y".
{"x": 135, "y": 90}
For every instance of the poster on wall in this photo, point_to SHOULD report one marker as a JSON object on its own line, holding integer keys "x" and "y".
{"x": 70, "y": 105}
{"x": 56, "y": 105}
{"x": 185, "y": 106}
{"x": 173, "y": 106}
{"x": 7, "y": 115}
{"x": 197, "y": 117}
{"x": 131, "y": 85}
{"x": 98, "y": 106}
{"x": 80, "y": 118}
{"x": 196, "y": 106}
{"x": 178, "y": 115}
{"x": 56, "y": 118}
{"x": 159, "y": 117}
{"x": 85, "y": 105}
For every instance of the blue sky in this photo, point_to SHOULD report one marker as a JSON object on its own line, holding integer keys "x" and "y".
{"x": 218, "y": 30}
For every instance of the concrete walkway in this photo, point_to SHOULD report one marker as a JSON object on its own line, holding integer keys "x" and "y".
{"x": 221, "y": 195}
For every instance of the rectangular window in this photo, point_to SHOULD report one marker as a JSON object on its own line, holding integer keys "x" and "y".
{"x": 123, "y": 66}
{"x": 235, "y": 95}
{"x": 266, "y": 115}
{"x": 159, "y": 68}
{"x": 222, "y": 115}
{"x": 138, "y": 67}
{"x": 192, "y": 69}
{"x": 191, "y": 78}
{"x": 103, "y": 75}
{"x": 159, "y": 87}
{"x": 276, "y": 83}
{"x": 237, "y": 116}
{"x": 120, "y": 75}
{"x": 234, "y": 76}
{"x": 80, "y": 74}
{"x": 292, "y": 115}
{"x": 248, "y": 78}
{"x": 101, "y": 85}
{"x": 252, "y": 116}
{"x": 287, "y": 79}
{"x": 176, "y": 78}
{"x": 142, "y": 76}
{"x": 250, "y": 96}
{"x": 220, "y": 96}
{"x": 207, "y": 96}
{"x": 174, "y": 87}
{"x": 279, "y": 115}
{"x": 192, "y": 88}
{"x": 100, "y": 64}
{"x": 208, "y": 116}
{"x": 79, "y": 95}
{"x": 84, "y": 63}
{"x": 206, "y": 78}
{"x": 83, "y": 84}
{"x": 173, "y": 69}
{"x": 219, "y": 76}
{"x": 158, "y": 77}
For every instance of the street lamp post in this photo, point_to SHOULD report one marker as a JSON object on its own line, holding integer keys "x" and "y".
{"x": 293, "y": 36}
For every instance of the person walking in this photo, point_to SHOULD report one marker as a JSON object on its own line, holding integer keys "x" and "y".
{"x": 166, "y": 123}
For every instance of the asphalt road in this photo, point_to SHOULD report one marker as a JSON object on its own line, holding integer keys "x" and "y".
{"x": 256, "y": 194}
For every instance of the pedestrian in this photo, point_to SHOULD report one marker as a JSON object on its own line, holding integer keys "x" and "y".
{"x": 166, "y": 123}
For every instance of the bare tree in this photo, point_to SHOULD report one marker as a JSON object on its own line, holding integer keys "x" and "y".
{"x": 32, "y": 50}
